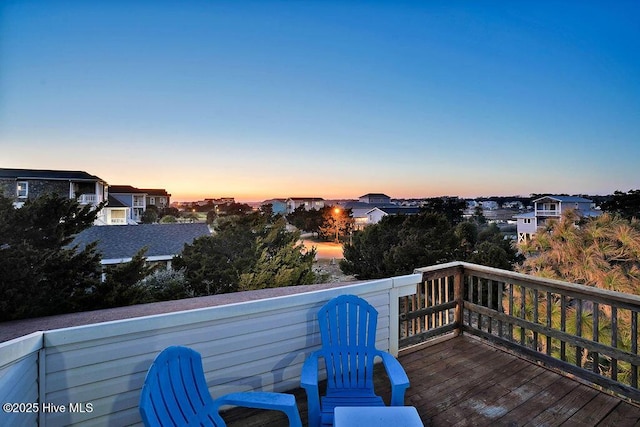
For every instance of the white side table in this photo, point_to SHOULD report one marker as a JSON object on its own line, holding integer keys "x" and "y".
{"x": 376, "y": 416}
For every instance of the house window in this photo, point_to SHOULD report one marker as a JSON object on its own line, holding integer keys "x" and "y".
{"x": 23, "y": 189}
{"x": 118, "y": 216}
{"x": 152, "y": 200}
{"x": 527, "y": 220}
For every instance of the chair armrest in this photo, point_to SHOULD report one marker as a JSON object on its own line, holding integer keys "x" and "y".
{"x": 309, "y": 381}
{"x": 397, "y": 377}
{"x": 263, "y": 400}
{"x": 257, "y": 399}
{"x": 309, "y": 374}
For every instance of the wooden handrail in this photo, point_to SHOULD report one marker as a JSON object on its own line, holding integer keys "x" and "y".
{"x": 575, "y": 328}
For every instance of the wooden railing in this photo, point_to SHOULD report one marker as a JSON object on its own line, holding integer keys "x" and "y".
{"x": 580, "y": 330}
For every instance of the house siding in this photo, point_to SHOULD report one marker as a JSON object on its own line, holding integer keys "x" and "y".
{"x": 37, "y": 188}
{"x": 19, "y": 369}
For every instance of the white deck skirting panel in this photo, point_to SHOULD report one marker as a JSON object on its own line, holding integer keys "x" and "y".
{"x": 100, "y": 368}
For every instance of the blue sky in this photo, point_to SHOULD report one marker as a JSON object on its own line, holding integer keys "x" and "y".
{"x": 261, "y": 99}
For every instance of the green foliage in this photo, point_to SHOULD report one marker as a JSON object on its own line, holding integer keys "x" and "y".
{"x": 235, "y": 209}
{"x": 168, "y": 219}
{"x": 213, "y": 264}
{"x": 165, "y": 285}
{"x": 602, "y": 252}
{"x": 451, "y": 207}
{"x": 626, "y": 204}
{"x": 39, "y": 274}
{"x": 211, "y": 216}
{"x": 246, "y": 252}
{"x": 335, "y": 223}
{"x": 306, "y": 220}
{"x": 399, "y": 244}
{"x": 150, "y": 215}
{"x": 283, "y": 261}
{"x": 122, "y": 286}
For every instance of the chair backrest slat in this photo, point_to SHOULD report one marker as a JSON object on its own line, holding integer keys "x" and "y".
{"x": 347, "y": 328}
{"x": 176, "y": 390}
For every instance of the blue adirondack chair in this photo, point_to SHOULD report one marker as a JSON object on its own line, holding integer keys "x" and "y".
{"x": 348, "y": 335}
{"x": 175, "y": 393}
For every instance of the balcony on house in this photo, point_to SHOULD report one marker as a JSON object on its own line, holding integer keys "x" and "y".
{"x": 481, "y": 346}
{"x": 547, "y": 209}
{"x": 88, "y": 199}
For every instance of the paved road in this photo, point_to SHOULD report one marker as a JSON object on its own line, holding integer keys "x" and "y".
{"x": 326, "y": 250}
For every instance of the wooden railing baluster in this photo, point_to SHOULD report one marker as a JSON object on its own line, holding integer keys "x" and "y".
{"x": 491, "y": 304}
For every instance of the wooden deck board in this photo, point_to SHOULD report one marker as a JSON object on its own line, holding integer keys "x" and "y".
{"x": 466, "y": 382}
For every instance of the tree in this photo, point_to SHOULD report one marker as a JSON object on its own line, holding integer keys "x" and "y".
{"x": 150, "y": 215}
{"x": 283, "y": 260}
{"x": 451, "y": 207}
{"x": 246, "y": 252}
{"x": 214, "y": 264}
{"x": 211, "y": 216}
{"x": 306, "y": 220}
{"x": 603, "y": 252}
{"x": 40, "y": 274}
{"x": 397, "y": 245}
{"x": 122, "y": 286}
{"x": 626, "y": 204}
{"x": 235, "y": 209}
{"x": 168, "y": 219}
{"x": 335, "y": 222}
{"x": 165, "y": 285}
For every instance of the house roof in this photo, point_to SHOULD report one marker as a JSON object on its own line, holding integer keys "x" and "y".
{"x": 62, "y": 175}
{"x": 128, "y": 189}
{"x": 306, "y": 198}
{"x": 525, "y": 215}
{"x": 565, "y": 199}
{"x": 115, "y": 203}
{"x": 398, "y": 210}
{"x": 375, "y": 195}
{"x": 155, "y": 191}
{"x": 365, "y": 205}
{"x": 122, "y": 242}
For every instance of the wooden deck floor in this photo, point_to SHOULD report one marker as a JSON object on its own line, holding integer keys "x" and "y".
{"x": 465, "y": 382}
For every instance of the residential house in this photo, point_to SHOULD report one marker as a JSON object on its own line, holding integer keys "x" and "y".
{"x": 551, "y": 207}
{"x": 157, "y": 197}
{"x": 163, "y": 241}
{"x": 21, "y": 185}
{"x": 376, "y": 214}
{"x": 117, "y": 213}
{"x": 376, "y": 199}
{"x": 360, "y": 209}
{"x": 138, "y": 199}
{"x": 308, "y": 203}
{"x": 278, "y": 206}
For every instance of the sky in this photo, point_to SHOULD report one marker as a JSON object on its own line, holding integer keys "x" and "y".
{"x": 334, "y": 99}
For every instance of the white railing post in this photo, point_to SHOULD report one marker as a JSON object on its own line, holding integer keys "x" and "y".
{"x": 402, "y": 286}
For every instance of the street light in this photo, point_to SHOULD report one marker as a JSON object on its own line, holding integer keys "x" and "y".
{"x": 336, "y": 211}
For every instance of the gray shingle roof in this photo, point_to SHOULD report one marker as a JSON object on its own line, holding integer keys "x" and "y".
{"x": 124, "y": 241}
{"x": 47, "y": 174}
{"x": 566, "y": 199}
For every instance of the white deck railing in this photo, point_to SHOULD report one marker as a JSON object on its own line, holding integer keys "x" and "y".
{"x": 94, "y": 373}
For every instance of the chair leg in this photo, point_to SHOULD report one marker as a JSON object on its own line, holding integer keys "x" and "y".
{"x": 294, "y": 416}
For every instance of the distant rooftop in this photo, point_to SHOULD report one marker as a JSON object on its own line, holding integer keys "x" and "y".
{"x": 565, "y": 199}
{"x": 118, "y": 242}
{"x": 48, "y": 174}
